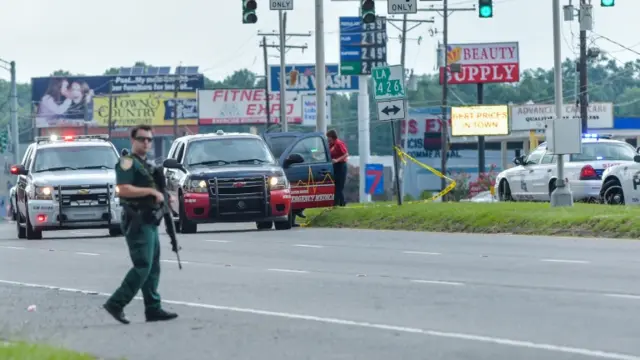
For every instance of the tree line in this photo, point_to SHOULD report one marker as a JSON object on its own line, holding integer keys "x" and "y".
{"x": 609, "y": 81}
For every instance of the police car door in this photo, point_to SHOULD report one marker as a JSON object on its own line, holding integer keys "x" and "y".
{"x": 543, "y": 174}
{"x": 630, "y": 179}
{"x": 530, "y": 170}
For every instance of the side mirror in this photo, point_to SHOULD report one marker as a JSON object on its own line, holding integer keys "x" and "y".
{"x": 293, "y": 159}
{"x": 18, "y": 170}
{"x": 124, "y": 152}
{"x": 638, "y": 149}
{"x": 516, "y": 160}
{"x": 173, "y": 164}
{"x": 636, "y": 158}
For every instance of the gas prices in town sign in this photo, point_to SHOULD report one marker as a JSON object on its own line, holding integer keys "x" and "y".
{"x": 483, "y": 63}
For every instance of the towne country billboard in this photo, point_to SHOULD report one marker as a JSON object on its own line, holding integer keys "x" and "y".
{"x": 480, "y": 120}
{"x": 483, "y": 63}
{"x": 245, "y": 106}
{"x": 535, "y": 116}
{"x": 78, "y": 100}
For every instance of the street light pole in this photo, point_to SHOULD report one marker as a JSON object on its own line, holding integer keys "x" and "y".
{"x": 13, "y": 107}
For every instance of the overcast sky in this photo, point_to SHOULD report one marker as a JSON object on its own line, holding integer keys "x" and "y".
{"x": 88, "y": 37}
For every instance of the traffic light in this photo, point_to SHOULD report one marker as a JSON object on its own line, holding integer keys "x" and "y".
{"x": 607, "y": 3}
{"x": 249, "y": 12}
{"x": 368, "y": 11}
{"x": 4, "y": 139}
{"x": 485, "y": 8}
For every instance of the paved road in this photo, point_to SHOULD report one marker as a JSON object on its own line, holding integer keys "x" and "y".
{"x": 334, "y": 294}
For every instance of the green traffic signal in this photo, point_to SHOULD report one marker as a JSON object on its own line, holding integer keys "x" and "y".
{"x": 486, "y": 11}
{"x": 249, "y": 12}
{"x": 368, "y": 11}
{"x": 607, "y": 3}
{"x": 485, "y": 8}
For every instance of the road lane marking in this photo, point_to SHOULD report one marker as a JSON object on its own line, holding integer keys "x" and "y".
{"x": 436, "y": 282}
{"x": 290, "y": 271}
{"x": 86, "y": 254}
{"x": 623, "y": 296}
{"x": 565, "y": 261}
{"x": 175, "y": 261}
{"x": 218, "y": 241}
{"x": 420, "y": 253}
{"x": 309, "y": 246}
{"x": 335, "y": 321}
{"x": 14, "y": 247}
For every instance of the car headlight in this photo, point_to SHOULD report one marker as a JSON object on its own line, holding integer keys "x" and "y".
{"x": 278, "y": 182}
{"x": 196, "y": 186}
{"x": 42, "y": 192}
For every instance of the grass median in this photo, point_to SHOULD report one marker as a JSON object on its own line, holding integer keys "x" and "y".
{"x": 24, "y": 351}
{"x": 588, "y": 220}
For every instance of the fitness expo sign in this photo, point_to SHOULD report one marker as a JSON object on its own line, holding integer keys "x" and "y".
{"x": 483, "y": 63}
{"x": 535, "y": 116}
{"x": 245, "y": 106}
{"x": 480, "y": 120}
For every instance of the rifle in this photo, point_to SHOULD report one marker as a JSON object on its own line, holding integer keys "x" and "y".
{"x": 158, "y": 177}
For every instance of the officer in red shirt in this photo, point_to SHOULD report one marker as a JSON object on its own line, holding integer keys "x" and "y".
{"x": 339, "y": 155}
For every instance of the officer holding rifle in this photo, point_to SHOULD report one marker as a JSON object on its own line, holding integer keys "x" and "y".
{"x": 142, "y": 203}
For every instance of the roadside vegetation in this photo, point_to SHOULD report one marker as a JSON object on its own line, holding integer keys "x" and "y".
{"x": 587, "y": 220}
{"x": 24, "y": 351}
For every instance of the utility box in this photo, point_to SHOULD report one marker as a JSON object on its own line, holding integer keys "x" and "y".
{"x": 564, "y": 136}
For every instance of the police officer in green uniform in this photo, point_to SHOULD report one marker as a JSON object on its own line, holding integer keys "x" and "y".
{"x": 140, "y": 200}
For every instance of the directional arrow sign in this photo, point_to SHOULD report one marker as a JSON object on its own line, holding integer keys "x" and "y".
{"x": 391, "y": 110}
{"x": 402, "y": 6}
{"x": 388, "y": 82}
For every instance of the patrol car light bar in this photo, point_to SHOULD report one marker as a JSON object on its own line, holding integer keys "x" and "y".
{"x": 596, "y": 136}
{"x": 54, "y": 137}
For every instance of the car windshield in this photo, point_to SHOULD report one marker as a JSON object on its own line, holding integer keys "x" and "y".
{"x": 279, "y": 144}
{"x": 75, "y": 157}
{"x": 228, "y": 151}
{"x": 605, "y": 151}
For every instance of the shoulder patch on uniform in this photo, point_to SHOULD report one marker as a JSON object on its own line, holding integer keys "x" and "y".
{"x": 126, "y": 162}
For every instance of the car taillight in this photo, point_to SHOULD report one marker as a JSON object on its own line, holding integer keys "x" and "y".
{"x": 588, "y": 173}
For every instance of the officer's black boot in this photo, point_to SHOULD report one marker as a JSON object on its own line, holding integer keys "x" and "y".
{"x": 116, "y": 312}
{"x": 159, "y": 315}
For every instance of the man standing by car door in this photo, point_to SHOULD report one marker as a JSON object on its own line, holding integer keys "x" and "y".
{"x": 339, "y": 155}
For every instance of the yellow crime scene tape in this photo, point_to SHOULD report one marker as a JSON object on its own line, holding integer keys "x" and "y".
{"x": 403, "y": 156}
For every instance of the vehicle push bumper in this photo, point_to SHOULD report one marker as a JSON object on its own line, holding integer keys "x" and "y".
{"x": 238, "y": 200}
{"x": 77, "y": 207}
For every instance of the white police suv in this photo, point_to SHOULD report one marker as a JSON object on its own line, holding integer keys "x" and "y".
{"x": 534, "y": 176}
{"x": 621, "y": 184}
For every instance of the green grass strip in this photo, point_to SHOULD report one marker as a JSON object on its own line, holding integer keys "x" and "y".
{"x": 590, "y": 220}
{"x": 24, "y": 351}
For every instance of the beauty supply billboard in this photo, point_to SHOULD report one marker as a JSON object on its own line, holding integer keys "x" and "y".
{"x": 483, "y": 63}
{"x": 245, "y": 106}
{"x": 73, "y": 101}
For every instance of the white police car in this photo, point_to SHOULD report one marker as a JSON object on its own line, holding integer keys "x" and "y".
{"x": 621, "y": 184}
{"x": 534, "y": 176}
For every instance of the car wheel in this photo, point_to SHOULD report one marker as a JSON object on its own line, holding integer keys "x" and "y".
{"x": 612, "y": 193}
{"x": 264, "y": 225}
{"x": 115, "y": 231}
{"x": 287, "y": 224}
{"x": 22, "y": 232}
{"x": 31, "y": 233}
{"x": 185, "y": 226}
{"x": 504, "y": 191}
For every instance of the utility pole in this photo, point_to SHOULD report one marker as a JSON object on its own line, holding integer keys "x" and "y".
{"x": 445, "y": 11}
{"x": 175, "y": 106}
{"x": 403, "y": 56}
{"x": 14, "y": 112}
{"x": 585, "y": 24}
{"x": 265, "y": 54}
{"x": 110, "y": 120}
{"x": 321, "y": 71}
{"x": 283, "y": 47}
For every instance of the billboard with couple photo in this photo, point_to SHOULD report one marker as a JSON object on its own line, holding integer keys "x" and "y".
{"x": 73, "y": 101}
